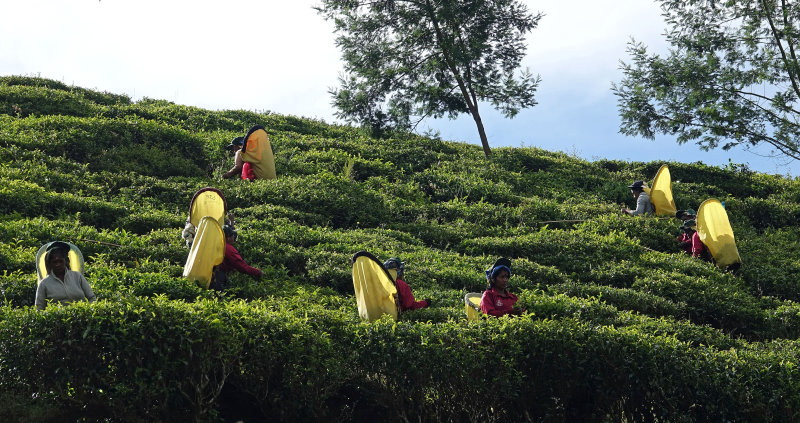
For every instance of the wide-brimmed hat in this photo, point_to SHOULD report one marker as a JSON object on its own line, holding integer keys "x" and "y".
{"x": 238, "y": 141}
{"x": 394, "y": 263}
{"x": 637, "y": 185}
{"x": 687, "y": 212}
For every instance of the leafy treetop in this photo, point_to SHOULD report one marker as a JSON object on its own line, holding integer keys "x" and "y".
{"x": 732, "y": 76}
{"x": 408, "y": 60}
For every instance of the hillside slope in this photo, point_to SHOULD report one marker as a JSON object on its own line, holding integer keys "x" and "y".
{"x": 621, "y": 326}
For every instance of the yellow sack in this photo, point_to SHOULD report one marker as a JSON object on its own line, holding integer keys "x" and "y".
{"x": 375, "y": 290}
{"x": 661, "y": 193}
{"x": 258, "y": 152}
{"x": 207, "y": 202}
{"x": 74, "y": 256}
{"x": 208, "y": 250}
{"x": 716, "y": 233}
{"x": 472, "y": 306}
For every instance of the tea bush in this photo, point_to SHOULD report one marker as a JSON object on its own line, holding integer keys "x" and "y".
{"x": 621, "y": 325}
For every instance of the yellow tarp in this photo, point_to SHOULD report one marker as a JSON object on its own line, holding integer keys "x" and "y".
{"x": 716, "y": 233}
{"x": 74, "y": 256}
{"x": 258, "y": 152}
{"x": 661, "y": 193}
{"x": 472, "y": 306}
{"x": 207, "y": 202}
{"x": 208, "y": 250}
{"x": 374, "y": 290}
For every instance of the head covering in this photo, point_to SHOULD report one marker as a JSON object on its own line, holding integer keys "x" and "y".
{"x": 689, "y": 212}
{"x": 59, "y": 246}
{"x": 394, "y": 263}
{"x": 238, "y": 141}
{"x": 691, "y": 223}
{"x": 229, "y": 231}
{"x": 640, "y": 185}
{"x": 500, "y": 264}
{"x": 491, "y": 273}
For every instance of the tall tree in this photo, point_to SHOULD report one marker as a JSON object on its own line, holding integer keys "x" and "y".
{"x": 731, "y": 76}
{"x": 406, "y": 60}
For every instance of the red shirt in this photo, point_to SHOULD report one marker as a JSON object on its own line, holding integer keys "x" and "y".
{"x": 685, "y": 242}
{"x": 234, "y": 261}
{"x": 698, "y": 248}
{"x": 406, "y": 298}
{"x": 495, "y": 303}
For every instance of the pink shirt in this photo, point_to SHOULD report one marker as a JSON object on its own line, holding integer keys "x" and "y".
{"x": 247, "y": 171}
{"x": 406, "y": 298}
{"x": 495, "y": 303}
{"x": 685, "y": 242}
{"x": 234, "y": 261}
{"x": 698, "y": 247}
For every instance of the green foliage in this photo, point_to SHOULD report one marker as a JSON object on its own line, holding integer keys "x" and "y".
{"x": 405, "y": 61}
{"x": 621, "y": 325}
{"x": 730, "y": 77}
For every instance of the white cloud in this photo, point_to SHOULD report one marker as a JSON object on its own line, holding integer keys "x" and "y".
{"x": 280, "y": 56}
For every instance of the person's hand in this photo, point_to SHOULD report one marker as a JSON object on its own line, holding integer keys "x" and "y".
{"x": 226, "y": 175}
{"x": 260, "y": 274}
{"x": 429, "y": 301}
{"x": 516, "y": 311}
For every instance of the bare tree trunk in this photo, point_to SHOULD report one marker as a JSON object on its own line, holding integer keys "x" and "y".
{"x": 465, "y": 86}
{"x": 484, "y": 141}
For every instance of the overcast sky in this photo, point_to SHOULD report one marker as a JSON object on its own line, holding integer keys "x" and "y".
{"x": 279, "y": 55}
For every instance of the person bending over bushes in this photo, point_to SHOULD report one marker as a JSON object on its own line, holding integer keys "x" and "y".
{"x": 685, "y": 215}
{"x": 404, "y": 295}
{"x": 643, "y": 204}
{"x": 232, "y": 261}
{"x": 61, "y": 285}
{"x": 697, "y": 248}
{"x": 497, "y": 300}
{"x": 239, "y": 165}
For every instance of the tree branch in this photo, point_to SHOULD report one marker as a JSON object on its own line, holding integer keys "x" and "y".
{"x": 789, "y": 68}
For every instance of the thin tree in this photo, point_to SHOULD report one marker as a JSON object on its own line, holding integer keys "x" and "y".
{"x": 407, "y": 60}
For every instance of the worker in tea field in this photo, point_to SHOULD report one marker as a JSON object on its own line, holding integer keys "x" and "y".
{"x": 62, "y": 285}
{"x": 697, "y": 248}
{"x": 240, "y": 167}
{"x": 685, "y": 238}
{"x": 685, "y": 215}
{"x": 404, "y": 296}
{"x": 643, "y": 204}
{"x": 497, "y": 300}
{"x": 233, "y": 261}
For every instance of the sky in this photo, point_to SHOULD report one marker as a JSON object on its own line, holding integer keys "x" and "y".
{"x": 280, "y": 56}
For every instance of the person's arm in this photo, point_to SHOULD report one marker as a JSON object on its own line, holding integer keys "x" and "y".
{"x": 238, "y": 163}
{"x": 87, "y": 289}
{"x": 407, "y": 300}
{"x": 237, "y": 262}
{"x": 41, "y": 296}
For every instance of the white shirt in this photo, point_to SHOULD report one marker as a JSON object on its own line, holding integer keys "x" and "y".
{"x": 643, "y": 205}
{"x": 74, "y": 287}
